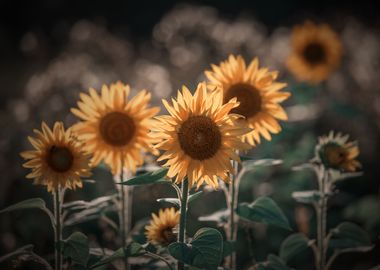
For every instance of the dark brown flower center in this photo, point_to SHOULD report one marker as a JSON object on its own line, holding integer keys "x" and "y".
{"x": 168, "y": 236}
{"x": 335, "y": 155}
{"x": 314, "y": 53}
{"x": 117, "y": 129}
{"x": 60, "y": 159}
{"x": 199, "y": 137}
{"x": 248, "y": 96}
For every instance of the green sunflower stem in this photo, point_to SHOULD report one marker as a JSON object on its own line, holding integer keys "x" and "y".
{"x": 183, "y": 215}
{"x": 58, "y": 228}
{"x": 233, "y": 194}
{"x": 321, "y": 221}
{"x": 125, "y": 211}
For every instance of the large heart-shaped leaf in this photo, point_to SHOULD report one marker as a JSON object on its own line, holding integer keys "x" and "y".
{"x": 272, "y": 263}
{"x": 309, "y": 196}
{"x": 147, "y": 178}
{"x": 76, "y": 247}
{"x": 349, "y": 235}
{"x": 204, "y": 251}
{"x": 263, "y": 210}
{"x": 293, "y": 245}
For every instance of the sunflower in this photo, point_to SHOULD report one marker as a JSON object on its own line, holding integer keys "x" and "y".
{"x": 57, "y": 160}
{"x": 114, "y": 128}
{"x": 335, "y": 152}
{"x": 160, "y": 230}
{"x": 316, "y": 52}
{"x": 256, "y": 90}
{"x": 199, "y": 136}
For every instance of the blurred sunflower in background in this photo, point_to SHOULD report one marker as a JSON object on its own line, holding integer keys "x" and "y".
{"x": 316, "y": 52}
{"x": 58, "y": 160}
{"x": 336, "y": 152}
{"x": 114, "y": 128}
{"x": 199, "y": 136}
{"x": 257, "y": 92}
{"x": 160, "y": 230}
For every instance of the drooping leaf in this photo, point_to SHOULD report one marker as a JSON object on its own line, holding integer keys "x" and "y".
{"x": 27, "y": 204}
{"x": 35, "y": 203}
{"x": 176, "y": 202}
{"x": 251, "y": 164}
{"x": 263, "y": 210}
{"x": 147, "y": 178}
{"x": 273, "y": 263}
{"x": 204, "y": 251}
{"x": 293, "y": 245}
{"x": 309, "y": 196}
{"x": 118, "y": 254}
{"x": 134, "y": 249}
{"x": 76, "y": 247}
{"x": 194, "y": 196}
{"x": 220, "y": 217}
{"x": 173, "y": 201}
{"x": 349, "y": 235}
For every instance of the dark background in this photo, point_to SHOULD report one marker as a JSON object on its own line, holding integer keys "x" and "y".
{"x": 52, "y": 50}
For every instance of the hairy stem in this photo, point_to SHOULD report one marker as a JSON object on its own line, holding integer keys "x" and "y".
{"x": 125, "y": 213}
{"x": 183, "y": 215}
{"x": 321, "y": 209}
{"x": 232, "y": 202}
{"x": 58, "y": 228}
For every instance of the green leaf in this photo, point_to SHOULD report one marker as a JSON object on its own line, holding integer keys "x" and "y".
{"x": 209, "y": 243}
{"x": 118, "y": 254}
{"x": 310, "y": 196}
{"x": 273, "y": 263}
{"x": 134, "y": 249}
{"x": 76, "y": 247}
{"x": 194, "y": 196}
{"x": 181, "y": 252}
{"x": 27, "y": 204}
{"x": 147, "y": 178}
{"x": 263, "y": 210}
{"x": 251, "y": 164}
{"x": 293, "y": 245}
{"x": 228, "y": 248}
{"x": 204, "y": 251}
{"x": 220, "y": 217}
{"x": 173, "y": 201}
{"x": 176, "y": 202}
{"x": 349, "y": 235}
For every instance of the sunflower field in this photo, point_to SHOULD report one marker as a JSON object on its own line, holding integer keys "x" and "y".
{"x": 213, "y": 140}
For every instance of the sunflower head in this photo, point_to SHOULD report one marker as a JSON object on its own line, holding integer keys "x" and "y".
{"x": 335, "y": 152}
{"x": 257, "y": 92}
{"x": 114, "y": 127}
{"x": 57, "y": 160}
{"x": 160, "y": 230}
{"x": 316, "y": 52}
{"x": 199, "y": 137}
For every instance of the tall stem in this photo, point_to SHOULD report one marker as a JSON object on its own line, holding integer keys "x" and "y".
{"x": 58, "y": 228}
{"x": 232, "y": 201}
{"x": 321, "y": 220}
{"x": 125, "y": 213}
{"x": 183, "y": 215}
